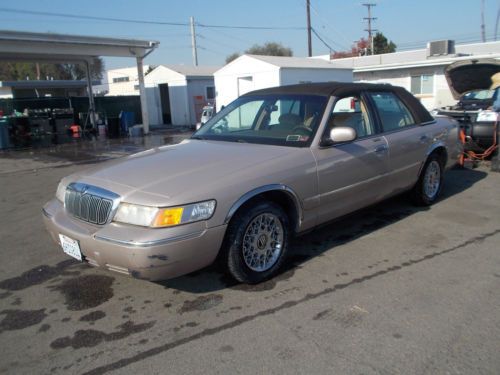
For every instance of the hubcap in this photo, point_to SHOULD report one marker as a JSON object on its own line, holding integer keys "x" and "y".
{"x": 432, "y": 179}
{"x": 263, "y": 242}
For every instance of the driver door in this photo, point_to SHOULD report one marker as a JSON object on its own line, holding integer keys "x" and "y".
{"x": 353, "y": 174}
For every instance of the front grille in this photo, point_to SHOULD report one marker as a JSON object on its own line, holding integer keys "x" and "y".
{"x": 83, "y": 203}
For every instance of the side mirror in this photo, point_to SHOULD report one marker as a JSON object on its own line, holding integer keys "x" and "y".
{"x": 339, "y": 135}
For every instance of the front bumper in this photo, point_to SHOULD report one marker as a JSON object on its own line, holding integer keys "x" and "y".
{"x": 145, "y": 253}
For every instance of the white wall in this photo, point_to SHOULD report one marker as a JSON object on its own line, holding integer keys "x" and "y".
{"x": 242, "y": 75}
{"x": 197, "y": 87}
{"x": 290, "y": 76}
{"x": 5, "y": 92}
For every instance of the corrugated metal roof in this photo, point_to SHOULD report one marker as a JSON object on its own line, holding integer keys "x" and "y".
{"x": 296, "y": 62}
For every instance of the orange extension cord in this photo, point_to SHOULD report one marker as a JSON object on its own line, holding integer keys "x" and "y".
{"x": 471, "y": 155}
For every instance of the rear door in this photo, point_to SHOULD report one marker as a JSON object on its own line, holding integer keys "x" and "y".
{"x": 408, "y": 142}
{"x": 351, "y": 175}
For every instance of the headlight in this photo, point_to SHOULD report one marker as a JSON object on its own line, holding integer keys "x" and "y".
{"x": 61, "y": 191}
{"x": 487, "y": 116}
{"x": 164, "y": 217}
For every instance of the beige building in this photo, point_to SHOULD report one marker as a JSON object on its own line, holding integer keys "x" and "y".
{"x": 419, "y": 71}
{"x": 122, "y": 81}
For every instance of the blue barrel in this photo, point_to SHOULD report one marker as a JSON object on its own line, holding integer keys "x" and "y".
{"x": 127, "y": 120}
{"x": 4, "y": 133}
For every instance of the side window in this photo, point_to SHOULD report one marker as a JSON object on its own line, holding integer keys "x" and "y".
{"x": 284, "y": 106}
{"x": 351, "y": 112}
{"x": 392, "y": 111}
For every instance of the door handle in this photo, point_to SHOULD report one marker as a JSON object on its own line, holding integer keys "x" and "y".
{"x": 381, "y": 148}
{"x": 423, "y": 138}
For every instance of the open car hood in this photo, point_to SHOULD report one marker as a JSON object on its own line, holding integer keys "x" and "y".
{"x": 468, "y": 75}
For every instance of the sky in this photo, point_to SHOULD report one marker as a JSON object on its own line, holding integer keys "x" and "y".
{"x": 408, "y": 23}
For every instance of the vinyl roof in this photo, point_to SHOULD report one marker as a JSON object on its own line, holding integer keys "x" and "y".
{"x": 322, "y": 88}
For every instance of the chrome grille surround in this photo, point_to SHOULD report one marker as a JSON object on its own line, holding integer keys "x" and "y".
{"x": 90, "y": 203}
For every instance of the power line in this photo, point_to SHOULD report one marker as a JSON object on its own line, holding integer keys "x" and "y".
{"x": 251, "y": 27}
{"x": 321, "y": 39}
{"x": 95, "y": 18}
{"x": 137, "y": 21}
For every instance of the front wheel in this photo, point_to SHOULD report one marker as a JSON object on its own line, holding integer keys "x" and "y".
{"x": 429, "y": 184}
{"x": 257, "y": 242}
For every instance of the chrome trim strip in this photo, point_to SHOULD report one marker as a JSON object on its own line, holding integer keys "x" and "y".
{"x": 163, "y": 241}
{"x": 272, "y": 187}
{"x": 47, "y": 214}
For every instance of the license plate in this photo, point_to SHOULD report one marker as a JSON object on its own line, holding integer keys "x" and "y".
{"x": 70, "y": 246}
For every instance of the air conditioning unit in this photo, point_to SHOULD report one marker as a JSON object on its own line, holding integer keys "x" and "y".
{"x": 440, "y": 47}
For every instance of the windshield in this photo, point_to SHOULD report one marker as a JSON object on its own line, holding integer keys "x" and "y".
{"x": 478, "y": 95}
{"x": 288, "y": 120}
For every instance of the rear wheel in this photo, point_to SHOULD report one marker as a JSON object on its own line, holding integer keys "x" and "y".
{"x": 257, "y": 242}
{"x": 429, "y": 184}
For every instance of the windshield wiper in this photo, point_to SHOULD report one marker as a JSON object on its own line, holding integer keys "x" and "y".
{"x": 198, "y": 137}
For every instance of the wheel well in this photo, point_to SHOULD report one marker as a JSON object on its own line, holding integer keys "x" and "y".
{"x": 442, "y": 154}
{"x": 282, "y": 199}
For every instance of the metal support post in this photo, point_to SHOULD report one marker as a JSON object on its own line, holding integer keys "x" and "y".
{"x": 142, "y": 92}
{"x": 91, "y": 96}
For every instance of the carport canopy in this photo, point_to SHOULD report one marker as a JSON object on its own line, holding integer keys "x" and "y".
{"x": 48, "y": 47}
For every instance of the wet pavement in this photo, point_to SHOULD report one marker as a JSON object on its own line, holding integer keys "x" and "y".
{"x": 391, "y": 289}
{"x": 85, "y": 151}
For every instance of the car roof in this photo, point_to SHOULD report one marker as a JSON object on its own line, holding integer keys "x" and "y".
{"x": 321, "y": 88}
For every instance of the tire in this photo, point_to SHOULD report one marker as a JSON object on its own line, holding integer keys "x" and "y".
{"x": 429, "y": 184}
{"x": 253, "y": 251}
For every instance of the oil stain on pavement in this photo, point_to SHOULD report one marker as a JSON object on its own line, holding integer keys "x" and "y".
{"x": 38, "y": 275}
{"x": 87, "y": 338}
{"x": 85, "y": 292}
{"x": 20, "y": 319}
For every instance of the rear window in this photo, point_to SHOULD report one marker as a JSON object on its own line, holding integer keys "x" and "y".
{"x": 393, "y": 113}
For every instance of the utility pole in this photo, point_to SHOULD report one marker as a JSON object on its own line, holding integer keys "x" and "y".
{"x": 309, "y": 40}
{"x": 370, "y": 19}
{"x": 483, "y": 28}
{"x": 193, "y": 42}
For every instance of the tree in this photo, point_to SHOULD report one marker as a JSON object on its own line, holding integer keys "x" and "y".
{"x": 360, "y": 48}
{"x": 18, "y": 71}
{"x": 382, "y": 45}
{"x": 232, "y": 57}
{"x": 270, "y": 49}
{"x": 267, "y": 49}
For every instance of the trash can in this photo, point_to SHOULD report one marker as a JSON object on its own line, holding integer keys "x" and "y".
{"x": 4, "y": 133}
{"x": 113, "y": 127}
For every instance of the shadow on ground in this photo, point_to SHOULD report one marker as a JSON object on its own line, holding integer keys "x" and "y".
{"x": 327, "y": 238}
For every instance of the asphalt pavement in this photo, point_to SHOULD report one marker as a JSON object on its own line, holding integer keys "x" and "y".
{"x": 392, "y": 289}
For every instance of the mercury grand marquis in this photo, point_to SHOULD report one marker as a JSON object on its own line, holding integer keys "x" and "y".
{"x": 272, "y": 164}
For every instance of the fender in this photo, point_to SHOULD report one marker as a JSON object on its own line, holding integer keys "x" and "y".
{"x": 263, "y": 189}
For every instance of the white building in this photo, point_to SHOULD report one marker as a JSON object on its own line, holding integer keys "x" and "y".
{"x": 419, "y": 71}
{"x": 176, "y": 94}
{"x": 121, "y": 81}
{"x": 252, "y": 72}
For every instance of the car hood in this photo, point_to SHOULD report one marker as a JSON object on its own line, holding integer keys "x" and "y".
{"x": 160, "y": 175}
{"x": 468, "y": 75}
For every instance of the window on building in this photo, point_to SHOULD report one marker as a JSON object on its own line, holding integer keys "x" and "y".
{"x": 120, "y": 79}
{"x": 422, "y": 84}
{"x": 136, "y": 87}
{"x": 210, "y": 93}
